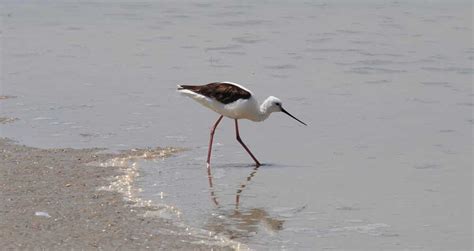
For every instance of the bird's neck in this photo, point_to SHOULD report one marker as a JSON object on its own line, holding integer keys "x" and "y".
{"x": 264, "y": 112}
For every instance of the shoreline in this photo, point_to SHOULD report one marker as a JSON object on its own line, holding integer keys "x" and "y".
{"x": 54, "y": 199}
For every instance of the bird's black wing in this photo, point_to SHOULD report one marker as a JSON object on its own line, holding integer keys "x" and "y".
{"x": 223, "y": 92}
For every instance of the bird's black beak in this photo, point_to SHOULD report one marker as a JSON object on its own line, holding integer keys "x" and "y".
{"x": 283, "y": 110}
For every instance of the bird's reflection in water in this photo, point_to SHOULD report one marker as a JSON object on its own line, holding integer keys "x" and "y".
{"x": 238, "y": 222}
{"x": 243, "y": 185}
{"x": 211, "y": 186}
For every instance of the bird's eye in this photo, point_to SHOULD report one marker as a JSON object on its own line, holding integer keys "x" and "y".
{"x": 278, "y": 104}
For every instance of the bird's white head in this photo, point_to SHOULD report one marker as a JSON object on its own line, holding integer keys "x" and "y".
{"x": 274, "y": 104}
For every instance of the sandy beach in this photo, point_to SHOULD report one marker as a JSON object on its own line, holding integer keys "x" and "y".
{"x": 51, "y": 199}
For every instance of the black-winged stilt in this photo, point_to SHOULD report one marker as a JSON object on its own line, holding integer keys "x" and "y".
{"x": 233, "y": 101}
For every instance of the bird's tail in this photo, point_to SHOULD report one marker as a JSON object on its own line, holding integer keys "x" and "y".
{"x": 185, "y": 87}
{"x": 186, "y": 90}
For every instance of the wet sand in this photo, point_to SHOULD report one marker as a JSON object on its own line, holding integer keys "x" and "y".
{"x": 51, "y": 199}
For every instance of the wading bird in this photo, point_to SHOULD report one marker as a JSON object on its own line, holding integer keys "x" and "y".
{"x": 233, "y": 101}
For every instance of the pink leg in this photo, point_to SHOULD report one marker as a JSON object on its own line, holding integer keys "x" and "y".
{"x": 211, "y": 139}
{"x": 242, "y": 143}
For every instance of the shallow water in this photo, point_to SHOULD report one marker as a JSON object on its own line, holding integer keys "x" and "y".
{"x": 386, "y": 88}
